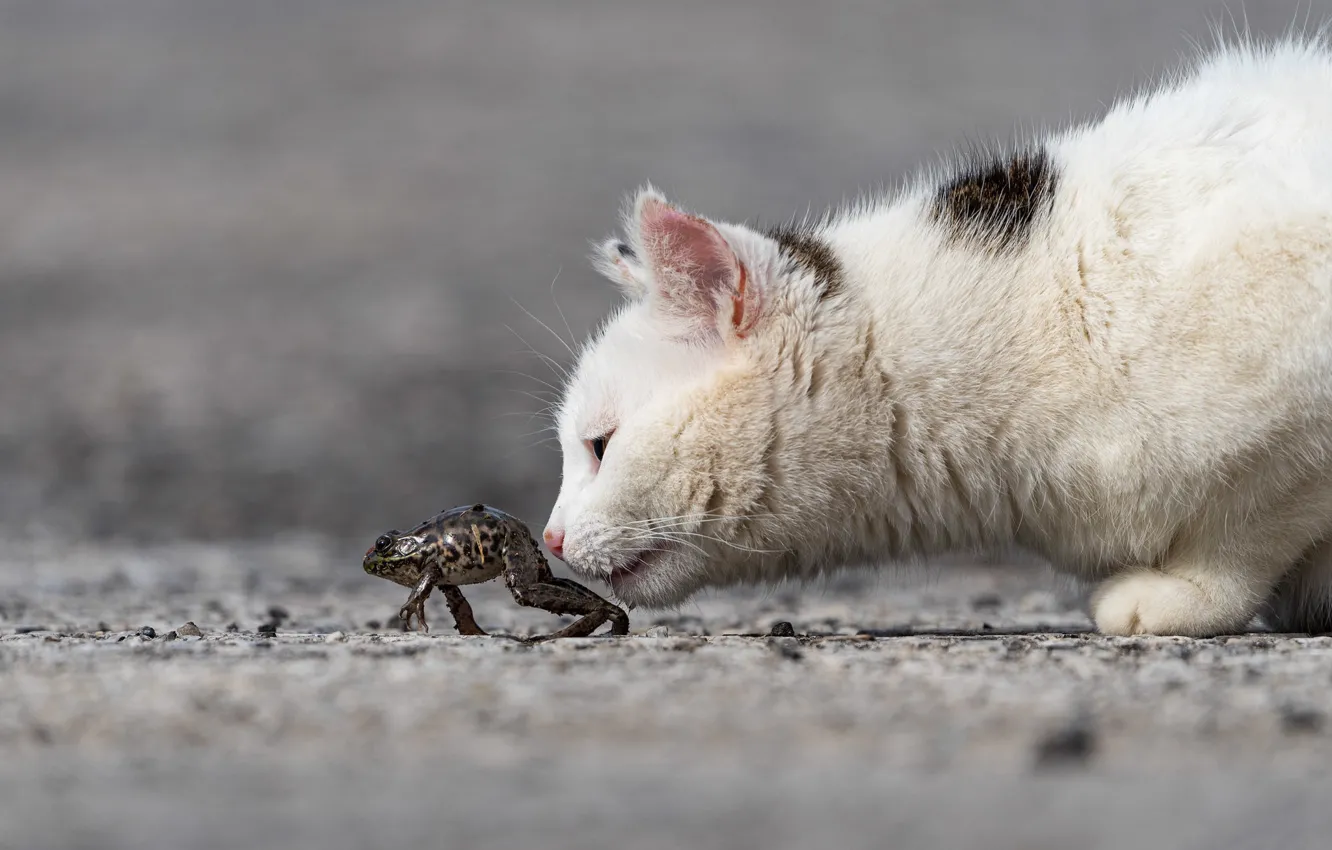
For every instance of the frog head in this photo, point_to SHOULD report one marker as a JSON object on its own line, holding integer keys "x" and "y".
{"x": 399, "y": 556}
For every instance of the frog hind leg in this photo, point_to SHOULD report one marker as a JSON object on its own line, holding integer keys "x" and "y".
{"x": 533, "y": 585}
{"x": 562, "y": 596}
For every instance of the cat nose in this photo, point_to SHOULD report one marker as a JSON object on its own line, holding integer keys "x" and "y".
{"x": 554, "y": 538}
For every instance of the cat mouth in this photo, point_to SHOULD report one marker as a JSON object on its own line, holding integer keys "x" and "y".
{"x": 638, "y": 566}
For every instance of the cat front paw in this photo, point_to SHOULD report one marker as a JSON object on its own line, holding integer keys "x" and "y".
{"x": 1154, "y": 603}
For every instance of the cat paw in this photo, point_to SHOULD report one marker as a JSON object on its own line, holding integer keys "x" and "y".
{"x": 1151, "y": 603}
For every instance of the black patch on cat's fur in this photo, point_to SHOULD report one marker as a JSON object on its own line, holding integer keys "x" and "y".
{"x": 808, "y": 250}
{"x": 995, "y": 203}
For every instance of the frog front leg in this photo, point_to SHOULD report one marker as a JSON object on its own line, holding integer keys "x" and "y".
{"x": 533, "y": 585}
{"x": 432, "y": 577}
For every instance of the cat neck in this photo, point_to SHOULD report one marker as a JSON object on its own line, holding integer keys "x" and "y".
{"x": 918, "y": 390}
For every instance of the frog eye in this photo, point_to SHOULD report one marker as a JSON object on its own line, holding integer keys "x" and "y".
{"x": 384, "y": 544}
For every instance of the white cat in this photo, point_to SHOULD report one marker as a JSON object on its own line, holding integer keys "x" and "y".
{"x": 1112, "y": 347}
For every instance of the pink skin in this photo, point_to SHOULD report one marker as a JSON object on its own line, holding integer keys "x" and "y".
{"x": 554, "y": 538}
{"x": 696, "y": 271}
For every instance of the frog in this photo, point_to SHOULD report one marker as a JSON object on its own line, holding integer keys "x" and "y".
{"x": 472, "y": 544}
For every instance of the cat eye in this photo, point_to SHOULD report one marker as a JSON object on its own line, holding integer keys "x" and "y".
{"x": 384, "y": 544}
{"x": 597, "y": 445}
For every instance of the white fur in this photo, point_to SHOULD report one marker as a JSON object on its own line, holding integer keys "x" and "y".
{"x": 1142, "y": 395}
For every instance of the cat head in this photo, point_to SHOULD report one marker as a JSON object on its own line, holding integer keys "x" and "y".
{"x": 669, "y": 422}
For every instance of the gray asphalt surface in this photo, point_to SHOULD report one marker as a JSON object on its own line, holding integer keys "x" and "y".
{"x": 944, "y": 707}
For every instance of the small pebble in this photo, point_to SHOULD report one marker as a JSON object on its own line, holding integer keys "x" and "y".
{"x": 1070, "y": 746}
{"x": 189, "y": 630}
{"x": 171, "y": 636}
{"x": 268, "y": 629}
{"x": 781, "y": 628}
{"x": 657, "y": 632}
{"x": 335, "y": 637}
{"x": 1302, "y": 721}
{"x": 148, "y": 632}
{"x": 986, "y": 600}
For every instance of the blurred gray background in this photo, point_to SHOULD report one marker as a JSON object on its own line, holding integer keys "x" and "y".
{"x": 259, "y": 261}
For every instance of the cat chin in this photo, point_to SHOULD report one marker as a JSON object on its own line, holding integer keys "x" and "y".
{"x": 658, "y": 578}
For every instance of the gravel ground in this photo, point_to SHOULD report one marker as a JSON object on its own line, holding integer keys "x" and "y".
{"x": 946, "y": 707}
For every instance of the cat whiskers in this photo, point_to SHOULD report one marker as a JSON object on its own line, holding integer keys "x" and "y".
{"x": 684, "y": 519}
{"x": 739, "y": 547}
{"x": 561, "y": 371}
{"x": 657, "y": 538}
{"x": 674, "y": 530}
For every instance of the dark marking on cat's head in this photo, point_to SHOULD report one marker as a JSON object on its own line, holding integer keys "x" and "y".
{"x": 806, "y": 249}
{"x": 995, "y": 203}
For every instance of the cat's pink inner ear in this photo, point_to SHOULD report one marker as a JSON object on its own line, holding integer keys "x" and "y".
{"x": 693, "y": 266}
{"x": 687, "y": 243}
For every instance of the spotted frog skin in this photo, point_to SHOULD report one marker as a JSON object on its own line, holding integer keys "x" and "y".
{"x": 474, "y": 544}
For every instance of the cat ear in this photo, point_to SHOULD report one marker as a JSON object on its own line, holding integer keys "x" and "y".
{"x": 695, "y": 277}
{"x": 615, "y": 259}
